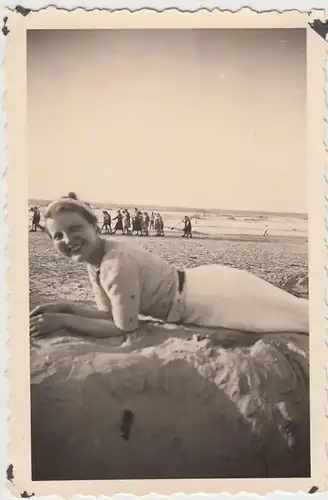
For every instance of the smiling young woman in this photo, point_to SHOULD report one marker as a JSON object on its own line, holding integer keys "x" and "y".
{"x": 128, "y": 281}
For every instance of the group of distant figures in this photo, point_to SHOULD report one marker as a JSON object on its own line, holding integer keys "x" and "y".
{"x": 139, "y": 223}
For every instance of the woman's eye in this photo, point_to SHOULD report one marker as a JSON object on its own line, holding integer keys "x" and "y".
{"x": 58, "y": 236}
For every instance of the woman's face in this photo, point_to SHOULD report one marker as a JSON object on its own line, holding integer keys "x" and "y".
{"x": 73, "y": 236}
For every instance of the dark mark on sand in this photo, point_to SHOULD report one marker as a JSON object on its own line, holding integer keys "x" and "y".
{"x": 126, "y": 424}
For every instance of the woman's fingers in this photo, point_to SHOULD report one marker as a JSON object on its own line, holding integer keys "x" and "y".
{"x": 36, "y": 325}
{"x": 34, "y": 331}
{"x": 37, "y": 310}
{"x": 36, "y": 319}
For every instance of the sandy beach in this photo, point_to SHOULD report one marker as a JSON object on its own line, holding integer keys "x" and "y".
{"x": 280, "y": 258}
{"x": 159, "y": 375}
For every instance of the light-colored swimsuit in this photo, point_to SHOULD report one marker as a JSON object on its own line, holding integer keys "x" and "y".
{"x": 132, "y": 281}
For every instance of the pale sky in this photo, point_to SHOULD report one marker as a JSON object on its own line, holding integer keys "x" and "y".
{"x": 199, "y": 118}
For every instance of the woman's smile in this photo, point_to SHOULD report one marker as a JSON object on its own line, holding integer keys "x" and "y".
{"x": 75, "y": 248}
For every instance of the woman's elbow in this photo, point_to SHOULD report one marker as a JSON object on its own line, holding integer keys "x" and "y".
{"x": 128, "y": 329}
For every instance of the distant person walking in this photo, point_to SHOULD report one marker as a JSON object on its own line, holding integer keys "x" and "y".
{"x": 141, "y": 221}
{"x": 145, "y": 224}
{"x": 152, "y": 221}
{"x": 137, "y": 222}
{"x": 266, "y": 231}
{"x": 159, "y": 225}
{"x": 126, "y": 222}
{"x": 119, "y": 223}
{"x": 36, "y": 220}
{"x": 187, "y": 228}
{"x": 107, "y": 222}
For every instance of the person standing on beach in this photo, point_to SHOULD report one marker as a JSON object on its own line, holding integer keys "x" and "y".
{"x": 152, "y": 221}
{"x": 159, "y": 225}
{"x": 187, "y": 228}
{"x": 137, "y": 222}
{"x": 126, "y": 222}
{"x": 141, "y": 222}
{"x": 145, "y": 224}
{"x": 36, "y": 218}
{"x": 119, "y": 223}
{"x": 107, "y": 222}
{"x": 128, "y": 281}
{"x": 266, "y": 231}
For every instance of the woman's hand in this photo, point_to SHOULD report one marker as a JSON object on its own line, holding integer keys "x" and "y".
{"x": 54, "y": 307}
{"x": 46, "y": 323}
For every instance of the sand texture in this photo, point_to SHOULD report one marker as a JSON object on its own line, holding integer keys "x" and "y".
{"x": 171, "y": 403}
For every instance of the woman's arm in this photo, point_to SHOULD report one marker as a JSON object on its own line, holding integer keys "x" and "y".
{"x": 70, "y": 308}
{"x": 93, "y": 327}
{"x": 89, "y": 312}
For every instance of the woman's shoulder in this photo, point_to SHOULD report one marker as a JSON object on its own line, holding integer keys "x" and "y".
{"x": 116, "y": 253}
{"x": 112, "y": 256}
{"x": 117, "y": 257}
{"x": 112, "y": 250}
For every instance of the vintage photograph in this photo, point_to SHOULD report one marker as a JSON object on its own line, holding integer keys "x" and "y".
{"x": 166, "y": 207}
{"x": 168, "y": 254}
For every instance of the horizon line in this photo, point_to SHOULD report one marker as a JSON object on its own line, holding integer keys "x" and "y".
{"x": 178, "y": 208}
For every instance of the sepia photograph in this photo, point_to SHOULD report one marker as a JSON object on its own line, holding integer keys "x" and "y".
{"x": 169, "y": 227}
{"x": 163, "y": 194}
